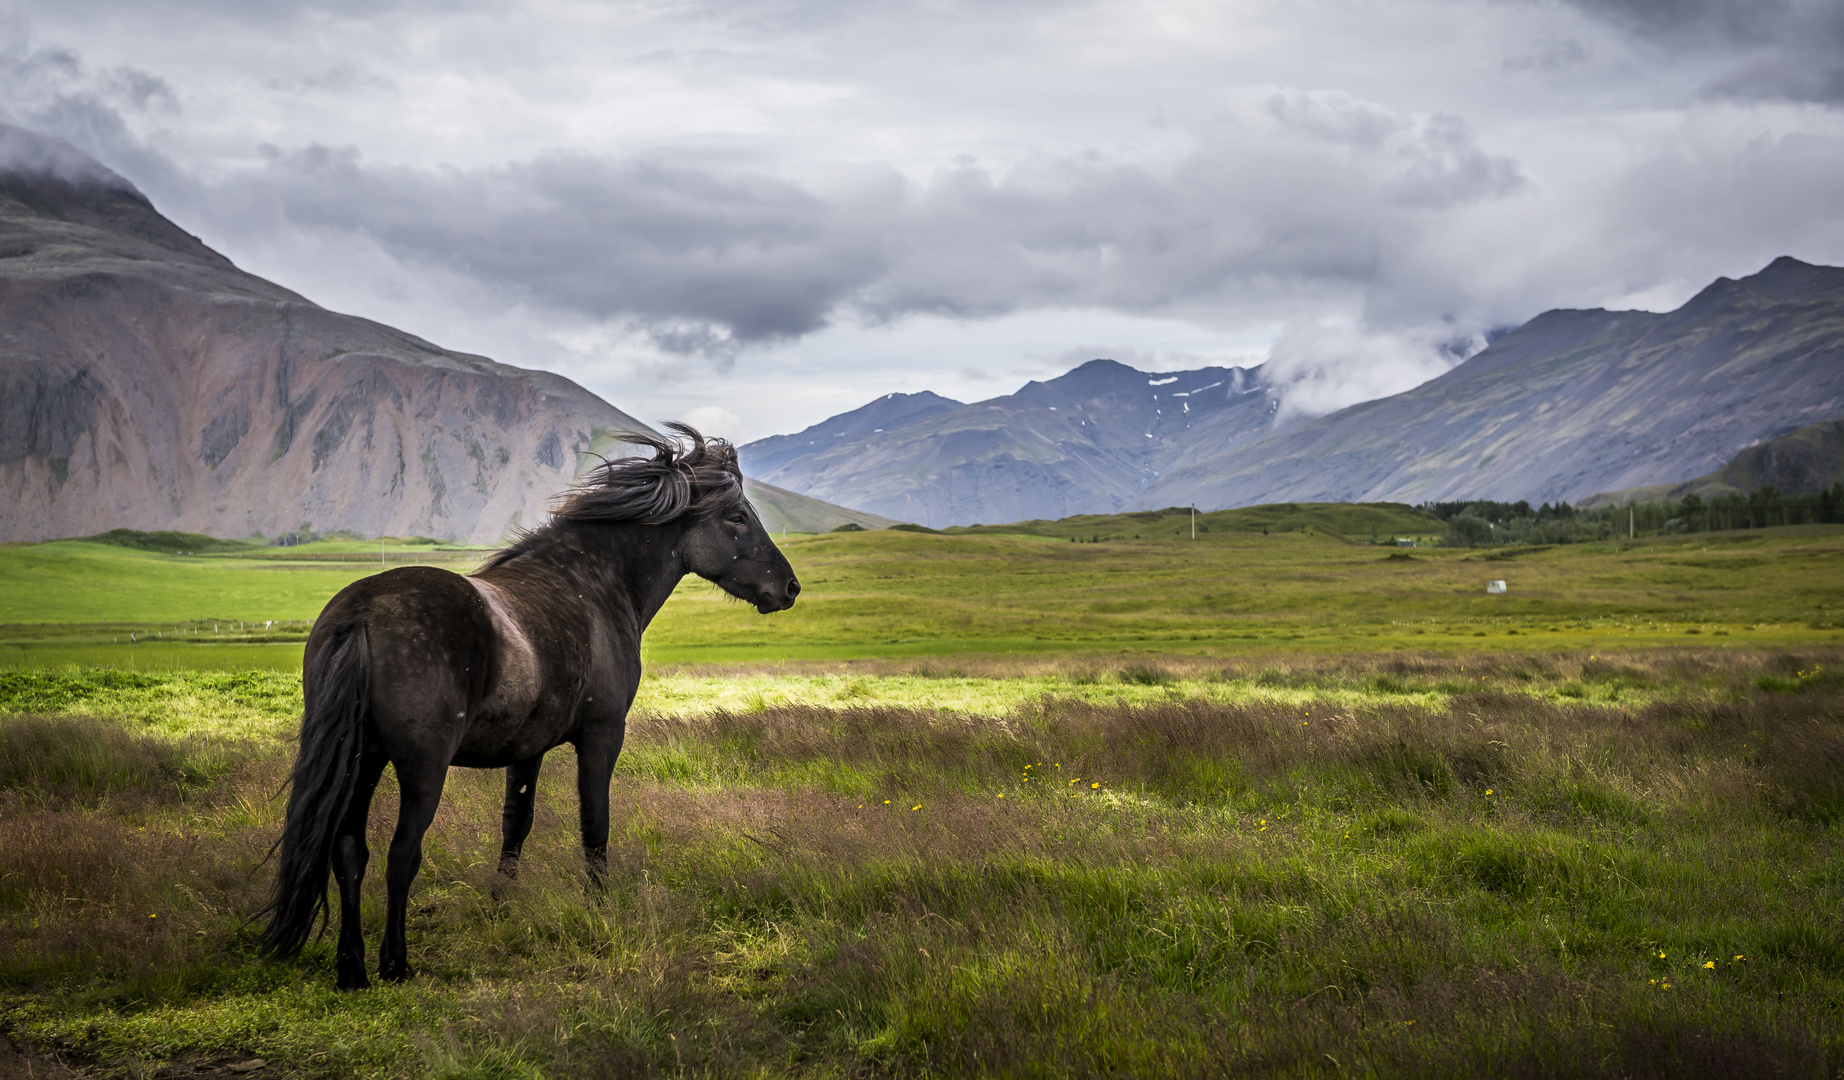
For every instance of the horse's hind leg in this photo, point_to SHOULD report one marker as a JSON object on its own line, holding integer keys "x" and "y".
{"x": 420, "y": 787}
{"x": 515, "y": 821}
{"x": 349, "y": 858}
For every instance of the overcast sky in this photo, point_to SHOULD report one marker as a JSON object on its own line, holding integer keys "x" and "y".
{"x": 754, "y": 215}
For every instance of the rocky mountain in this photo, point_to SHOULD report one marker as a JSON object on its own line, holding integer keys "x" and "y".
{"x": 147, "y": 383}
{"x": 1804, "y": 462}
{"x": 887, "y": 413}
{"x": 1569, "y": 404}
{"x": 1092, "y": 441}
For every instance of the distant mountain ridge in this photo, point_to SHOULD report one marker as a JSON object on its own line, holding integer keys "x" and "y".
{"x": 887, "y": 413}
{"x": 148, "y": 383}
{"x": 1090, "y": 441}
{"x": 1567, "y": 405}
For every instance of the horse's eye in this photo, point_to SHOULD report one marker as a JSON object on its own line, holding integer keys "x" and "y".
{"x": 739, "y": 519}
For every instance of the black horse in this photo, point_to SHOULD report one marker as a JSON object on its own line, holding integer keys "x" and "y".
{"x": 423, "y": 668}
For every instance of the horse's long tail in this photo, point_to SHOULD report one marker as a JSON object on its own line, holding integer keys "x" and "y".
{"x": 337, "y": 686}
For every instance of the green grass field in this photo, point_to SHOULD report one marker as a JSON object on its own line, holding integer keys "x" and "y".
{"x": 991, "y": 803}
{"x": 898, "y": 594}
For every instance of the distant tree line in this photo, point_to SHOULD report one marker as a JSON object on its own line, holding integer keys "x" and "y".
{"x": 1484, "y": 523}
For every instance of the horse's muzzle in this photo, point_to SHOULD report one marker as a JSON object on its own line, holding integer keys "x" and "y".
{"x": 773, "y": 600}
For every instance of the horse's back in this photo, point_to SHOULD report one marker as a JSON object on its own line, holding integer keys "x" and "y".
{"x": 430, "y": 640}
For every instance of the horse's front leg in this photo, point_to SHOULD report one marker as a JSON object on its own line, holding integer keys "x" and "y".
{"x": 349, "y": 858}
{"x": 595, "y": 764}
{"x": 420, "y": 786}
{"x": 515, "y": 820}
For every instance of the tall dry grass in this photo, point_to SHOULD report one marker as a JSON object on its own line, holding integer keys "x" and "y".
{"x": 1479, "y": 886}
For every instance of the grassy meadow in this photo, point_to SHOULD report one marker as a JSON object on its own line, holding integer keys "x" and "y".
{"x": 990, "y": 803}
{"x": 892, "y": 594}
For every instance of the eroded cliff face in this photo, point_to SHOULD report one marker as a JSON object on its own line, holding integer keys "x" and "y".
{"x": 146, "y": 382}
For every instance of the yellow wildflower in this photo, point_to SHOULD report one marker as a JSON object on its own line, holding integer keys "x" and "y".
{"x": 1709, "y": 964}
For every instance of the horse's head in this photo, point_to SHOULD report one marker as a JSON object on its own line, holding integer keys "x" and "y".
{"x": 725, "y": 543}
{"x": 695, "y": 488}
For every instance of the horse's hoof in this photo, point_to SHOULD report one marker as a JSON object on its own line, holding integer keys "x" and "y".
{"x": 399, "y": 973}
{"x": 351, "y": 969}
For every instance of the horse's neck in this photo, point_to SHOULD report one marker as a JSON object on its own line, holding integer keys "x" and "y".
{"x": 631, "y": 569}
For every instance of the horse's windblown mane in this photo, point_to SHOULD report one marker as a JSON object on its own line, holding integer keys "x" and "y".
{"x": 677, "y": 480}
{"x": 692, "y": 475}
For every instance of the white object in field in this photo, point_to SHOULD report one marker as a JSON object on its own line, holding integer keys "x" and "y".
{"x": 1495, "y": 588}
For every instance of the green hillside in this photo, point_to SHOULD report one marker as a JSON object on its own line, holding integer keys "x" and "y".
{"x": 173, "y": 543}
{"x": 1801, "y": 462}
{"x": 1358, "y": 520}
{"x": 782, "y": 510}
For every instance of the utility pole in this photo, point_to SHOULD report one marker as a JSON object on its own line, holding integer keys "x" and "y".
{"x": 380, "y": 551}
{"x": 1193, "y": 521}
{"x": 1629, "y": 521}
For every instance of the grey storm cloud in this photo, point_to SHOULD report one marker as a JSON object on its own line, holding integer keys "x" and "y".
{"x": 755, "y": 255}
{"x": 1319, "y": 190}
{"x": 1314, "y": 189}
{"x": 1350, "y": 189}
{"x": 1791, "y": 49}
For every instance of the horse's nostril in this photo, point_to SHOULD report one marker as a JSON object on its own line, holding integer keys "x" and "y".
{"x": 793, "y": 588}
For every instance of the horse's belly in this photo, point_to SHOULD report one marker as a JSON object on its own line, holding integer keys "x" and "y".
{"x": 490, "y": 745}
